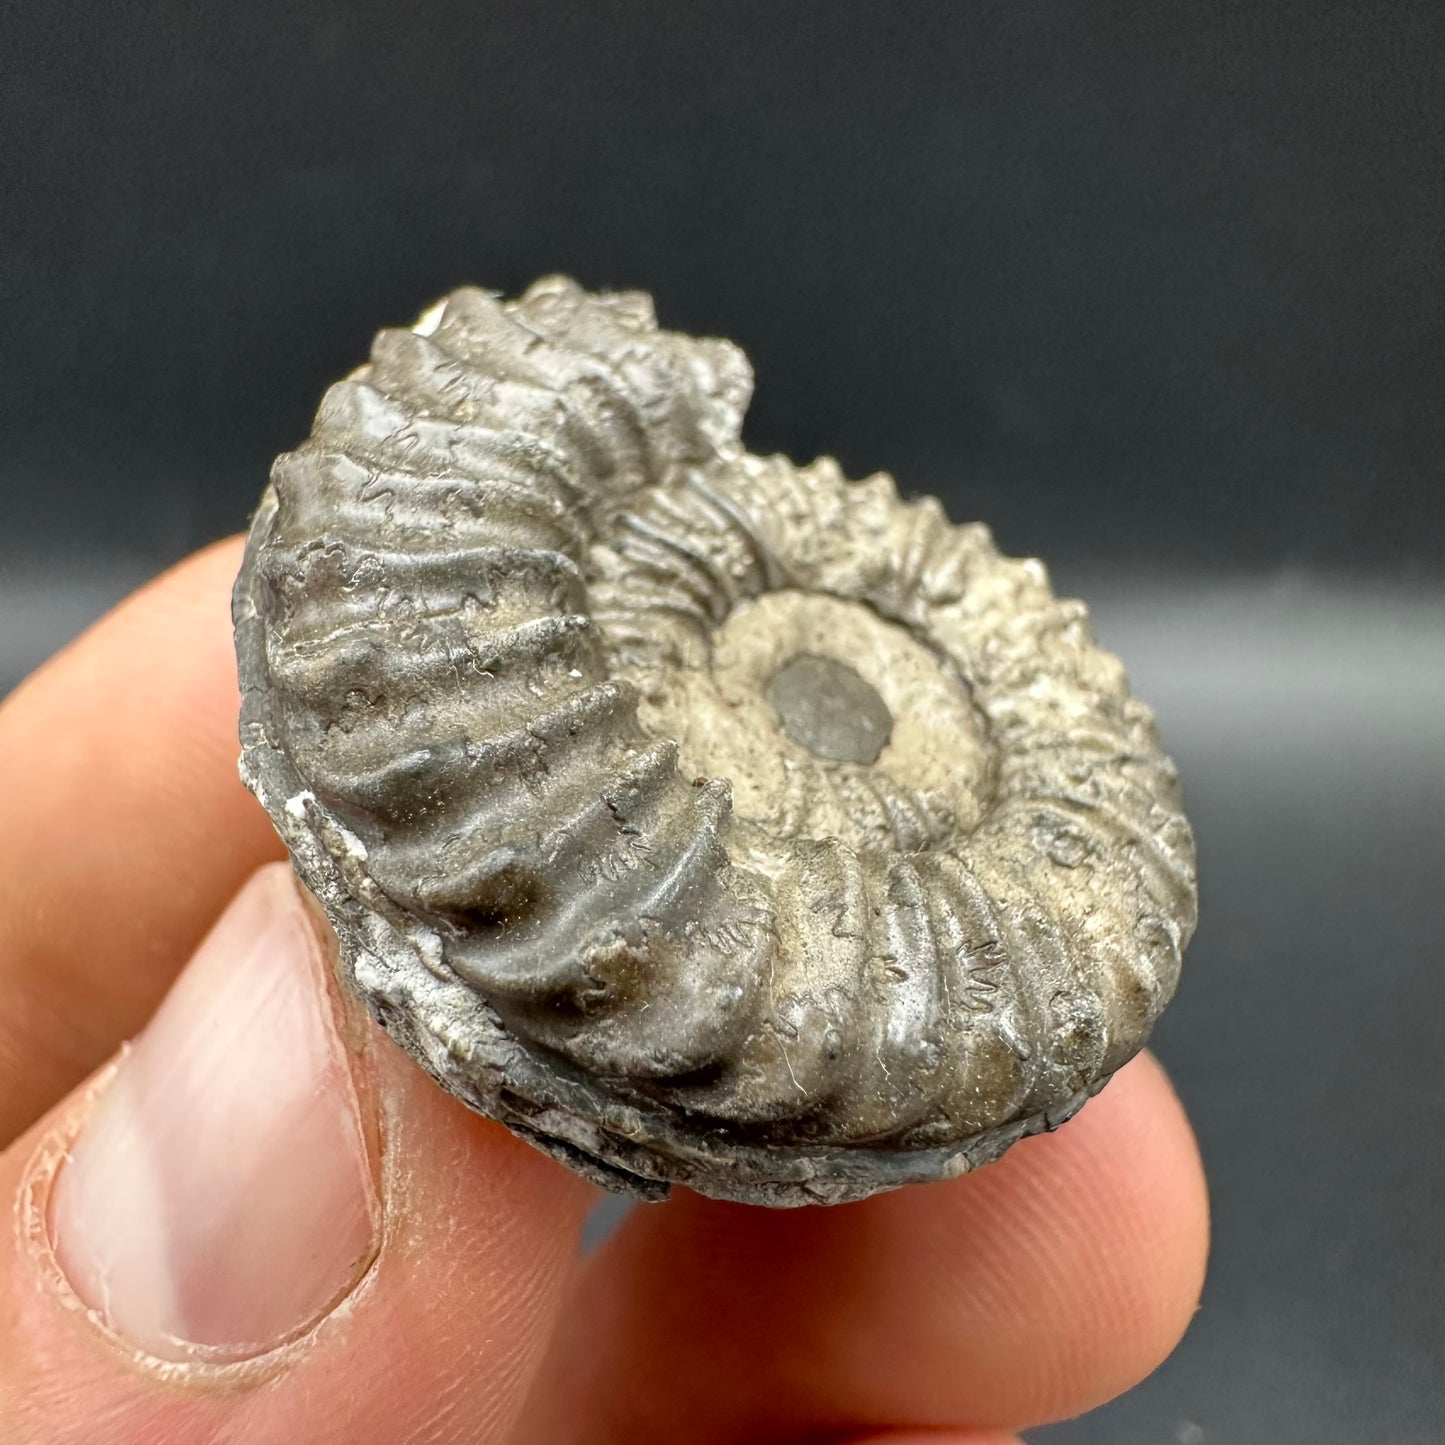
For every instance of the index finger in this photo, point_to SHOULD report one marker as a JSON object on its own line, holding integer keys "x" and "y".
{"x": 126, "y": 827}
{"x": 1036, "y": 1288}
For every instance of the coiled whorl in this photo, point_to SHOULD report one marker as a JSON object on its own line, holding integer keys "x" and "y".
{"x": 702, "y": 817}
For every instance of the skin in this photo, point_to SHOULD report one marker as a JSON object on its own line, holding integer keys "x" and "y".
{"x": 1036, "y": 1289}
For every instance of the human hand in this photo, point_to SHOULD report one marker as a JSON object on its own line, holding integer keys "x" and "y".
{"x": 261, "y": 1223}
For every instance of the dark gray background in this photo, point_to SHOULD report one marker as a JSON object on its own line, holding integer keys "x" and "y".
{"x": 1154, "y": 289}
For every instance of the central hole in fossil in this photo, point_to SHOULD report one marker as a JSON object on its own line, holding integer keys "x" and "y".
{"x": 830, "y": 710}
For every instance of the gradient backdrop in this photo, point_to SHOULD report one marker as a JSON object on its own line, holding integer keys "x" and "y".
{"x": 1155, "y": 289}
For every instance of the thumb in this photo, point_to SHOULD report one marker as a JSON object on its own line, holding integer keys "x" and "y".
{"x": 261, "y": 1222}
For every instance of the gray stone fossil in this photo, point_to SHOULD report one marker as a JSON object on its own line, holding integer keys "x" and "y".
{"x": 702, "y": 817}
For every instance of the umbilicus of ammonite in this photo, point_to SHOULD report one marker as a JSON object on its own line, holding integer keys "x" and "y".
{"x": 702, "y": 817}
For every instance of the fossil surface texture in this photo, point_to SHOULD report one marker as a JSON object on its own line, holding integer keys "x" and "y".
{"x": 702, "y": 817}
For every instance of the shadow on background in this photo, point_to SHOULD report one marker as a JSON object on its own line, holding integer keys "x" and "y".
{"x": 1153, "y": 290}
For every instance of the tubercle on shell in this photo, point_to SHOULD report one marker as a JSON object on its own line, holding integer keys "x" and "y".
{"x": 506, "y": 627}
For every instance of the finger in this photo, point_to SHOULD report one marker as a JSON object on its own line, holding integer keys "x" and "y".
{"x": 126, "y": 827}
{"x": 1036, "y": 1288}
{"x": 264, "y": 1224}
{"x": 931, "y": 1437}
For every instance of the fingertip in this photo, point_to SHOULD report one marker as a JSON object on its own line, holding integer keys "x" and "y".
{"x": 263, "y": 1221}
{"x": 1108, "y": 1220}
{"x": 190, "y": 597}
{"x": 124, "y": 846}
{"x": 1030, "y": 1290}
{"x": 1065, "y": 1273}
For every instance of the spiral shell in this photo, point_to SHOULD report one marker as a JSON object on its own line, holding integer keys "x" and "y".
{"x": 702, "y": 817}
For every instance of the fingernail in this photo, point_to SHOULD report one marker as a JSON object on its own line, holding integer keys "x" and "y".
{"x": 219, "y": 1198}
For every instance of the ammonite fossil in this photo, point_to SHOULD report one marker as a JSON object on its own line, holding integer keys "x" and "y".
{"x": 702, "y": 817}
